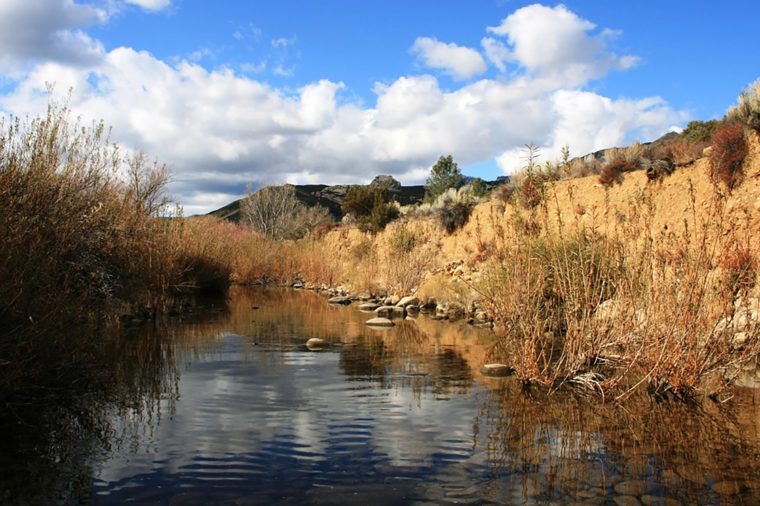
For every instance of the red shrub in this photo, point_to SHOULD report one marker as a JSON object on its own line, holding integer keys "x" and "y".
{"x": 613, "y": 172}
{"x": 728, "y": 153}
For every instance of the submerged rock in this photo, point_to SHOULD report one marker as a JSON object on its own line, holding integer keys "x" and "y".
{"x": 339, "y": 299}
{"x": 316, "y": 343}
{"x": 379, "y": 322}
{"x": 497, "y": 370}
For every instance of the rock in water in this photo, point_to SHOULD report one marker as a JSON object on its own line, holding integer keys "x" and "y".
{"x": 316, "y": 343}
{"x": 405, "y": 301}
{"x": 339, "y": 299}
{"x": 368, "y": 306}
{"x": 497, "y": 370}
{"x": 379, "y": 322}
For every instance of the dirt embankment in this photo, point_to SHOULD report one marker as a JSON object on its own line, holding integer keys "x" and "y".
{"x": 448, "y": 266}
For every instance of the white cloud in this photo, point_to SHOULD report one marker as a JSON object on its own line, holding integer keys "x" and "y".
{"x": 220, "y": 130}
{"x": 457, "y": 61}
{"x": 32, "y": 31}
{"x": 496, "y": 52}
{"x": 150, "y": 5}
{"x": 555, "y": 43}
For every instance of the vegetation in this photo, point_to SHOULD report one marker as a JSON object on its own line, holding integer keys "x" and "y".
{"x": 747, "y": 109}
{"x": 727, "y": 156}
{"x": 276, "y": 212}
{"x": 612, "y": 173}
{"x": 370, "y": 206}
{"x": 444, "y": 174}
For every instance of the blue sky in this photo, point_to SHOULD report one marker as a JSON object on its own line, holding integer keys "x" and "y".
{"x": 231, "y": 93}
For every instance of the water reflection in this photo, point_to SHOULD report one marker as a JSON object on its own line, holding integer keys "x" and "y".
{"x": 227, "y": 406}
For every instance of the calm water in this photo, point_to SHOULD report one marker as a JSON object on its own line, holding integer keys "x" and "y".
{"x": 228, "y": 407}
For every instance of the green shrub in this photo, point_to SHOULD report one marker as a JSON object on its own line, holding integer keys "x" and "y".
{"x": 478, "y": 187}
{"x": 699, "y": 131}
{"x": 370, "y": 207}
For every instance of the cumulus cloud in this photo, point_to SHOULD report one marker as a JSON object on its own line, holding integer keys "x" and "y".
{"x": 34, "y": 30}
{"x": 457, "y": 61}
{"x": 556, "y": 43}
{"x": 220, "y": 130}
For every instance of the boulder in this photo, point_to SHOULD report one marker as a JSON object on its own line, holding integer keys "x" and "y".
{"x": 367, "y": 306}
{"x": 316, "y": 343}
{"x": 339, "y": 299}
{"x": 406, "y": 301}
{"x": 412, "y": 309}
{"x": 391, "y": 300}
{"x": 497, "y": 370}
{"x": 384, "y": 310}
{"x": 379, "y": 322}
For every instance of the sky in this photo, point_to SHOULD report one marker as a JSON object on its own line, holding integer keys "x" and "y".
{"x": 230, "y": 94}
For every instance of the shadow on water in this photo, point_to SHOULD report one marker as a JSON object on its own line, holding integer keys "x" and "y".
{"x": 227, "y": 406}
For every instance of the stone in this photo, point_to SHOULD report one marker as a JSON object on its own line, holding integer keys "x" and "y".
{"x": 379, "y": 322}
{"x": 316, "y": 343}
{"x": 631, "y": 487}
{"x": 367, "y": 306}
{"x": 298, "y": 284}
{"x": 384, "y": 310}
{"x": 363, "y": 296}
{"x": 411, "y": 308}
{"x": 391, "y": 300}
{"x": 496, "y": 370}
{"x": 728, "y": 487}
{"x": 707, "y": 151}
{"x": 406, "y": 301}
{"x": 455, "y": 312}
{"x": 626, "y": 500}
{"x": 480, "y": 316}
{"x": 339, "y": 299}
{"x": 655, "y": 500}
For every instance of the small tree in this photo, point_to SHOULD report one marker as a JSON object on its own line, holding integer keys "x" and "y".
{"x": 276, "y": 212}
{"x": 444, "y": 174}
{"x": 370, "y": 207}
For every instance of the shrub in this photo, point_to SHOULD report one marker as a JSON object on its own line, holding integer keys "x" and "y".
{"x": 478, "y": 187}
{"x": 612, "y": 173}
{"x": 403, "y": 240}
{"x": 684, "y": 151}
{"x": 370, "y": 207}
{"x": 747, "y": 110}
{"x": 699, "y": 131}
{"x": 531, "y": 191}
{"x": 727, "y": 156}
{"x": 454, "y": 216}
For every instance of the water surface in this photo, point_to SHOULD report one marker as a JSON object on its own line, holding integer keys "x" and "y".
{"x": 227, "y": 406}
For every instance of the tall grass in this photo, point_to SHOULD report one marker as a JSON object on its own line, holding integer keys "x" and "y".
{"x": 632, "y": 307}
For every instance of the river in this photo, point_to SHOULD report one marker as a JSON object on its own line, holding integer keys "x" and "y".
{"x": 226, "y": 405}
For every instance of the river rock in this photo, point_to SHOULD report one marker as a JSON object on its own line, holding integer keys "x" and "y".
{"x": 631, "y": 487}
{"x": 412, "y": 309}
{"x": 316, "y": 343}
{"x": 385, "y": 311}
{"x": 391, "y": 300}
{"x": 298, "y": 284}
{"x": 496, "y": 370}
{"x": 363, "y": 296}
{"x": 406, "y": 301}
{"x": 656, "y": 500}
{"x": 339, "y": 299}
{"x": 728, "y": 487}
{"x": 379, "y": 322}
{"x": 367, "y": 306}
{"x": 626, "y": 500}
{"x": 455, "y": 312}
